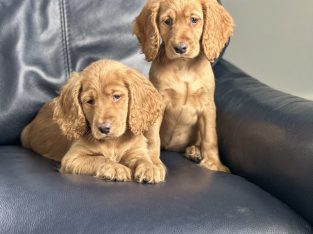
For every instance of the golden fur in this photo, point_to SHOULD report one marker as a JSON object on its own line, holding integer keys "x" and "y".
{"x": 185, "y": 80}
{"x": 70, "y": 127}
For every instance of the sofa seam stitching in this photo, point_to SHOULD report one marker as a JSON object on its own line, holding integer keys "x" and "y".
{"x": 67, "y": 33}
{"x": 65, "y": 44}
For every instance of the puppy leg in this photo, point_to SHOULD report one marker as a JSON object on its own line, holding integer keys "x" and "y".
{"x": 193, "y": 153}
{"x": 147, "y": 172}
{"x": 208, "y": 144}
{"x": 154, "y": 148}
{"x": 144, "y": 170}
{"x": 76, "y": 162}
{"x": 114, "y": 171}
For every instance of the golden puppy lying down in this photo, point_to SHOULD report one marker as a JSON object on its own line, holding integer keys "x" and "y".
{"x": 96, "y": 125}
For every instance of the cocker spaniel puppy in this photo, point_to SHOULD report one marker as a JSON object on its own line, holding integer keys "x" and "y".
{"x": 182, "y": 38}
{"x": 96, "y": 125}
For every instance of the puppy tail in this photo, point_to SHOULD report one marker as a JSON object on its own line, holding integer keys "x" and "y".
{"x": 25, "y": 139}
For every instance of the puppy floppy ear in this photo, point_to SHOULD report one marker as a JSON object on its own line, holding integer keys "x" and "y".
{"x": 68, "y": 112}
{"x": 145, "y": 102}
{"x": 218, "y": 27}
{"x": 145, "y": 27}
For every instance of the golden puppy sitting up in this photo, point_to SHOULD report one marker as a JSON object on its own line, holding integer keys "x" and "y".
{"x": 182, "y": 38}
{"x": 96, "y": 125}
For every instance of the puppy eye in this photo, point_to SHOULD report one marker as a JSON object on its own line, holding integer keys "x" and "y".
{"x": 116, "y": 98}
{"x": 168, "y": 22}
{"x": 90, "y": 101}
{"x": 194, "y": 20}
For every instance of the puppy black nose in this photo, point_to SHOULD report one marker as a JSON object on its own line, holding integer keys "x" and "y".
{"x": 105, "y": 128}
{"x": 181, "y": 48}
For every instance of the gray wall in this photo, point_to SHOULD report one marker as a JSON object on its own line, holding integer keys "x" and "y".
{"x": 273, "y": 42}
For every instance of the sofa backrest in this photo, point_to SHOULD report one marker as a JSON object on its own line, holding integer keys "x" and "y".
{"x": 41, "y": 42}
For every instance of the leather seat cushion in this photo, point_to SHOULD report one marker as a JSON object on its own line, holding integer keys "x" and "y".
{"x": 35, "y": 198}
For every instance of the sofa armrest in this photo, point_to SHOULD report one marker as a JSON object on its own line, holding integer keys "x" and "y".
{"x": 266, "y": 136}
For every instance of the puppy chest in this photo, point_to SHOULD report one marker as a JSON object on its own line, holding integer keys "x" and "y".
{"x": 117, "y": 149}
{"x": 180, "y": 120}
{"x": 186, "y": 95}
{"x": 179, "y": 127}
{"x": 110, "y": 151}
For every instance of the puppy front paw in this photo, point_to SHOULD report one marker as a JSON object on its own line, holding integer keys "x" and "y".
{"x": 193, "y": 153}
{"x": 114, "y": 172}
{"x": 214, "y": 166}
{"x": 150, "y": 173}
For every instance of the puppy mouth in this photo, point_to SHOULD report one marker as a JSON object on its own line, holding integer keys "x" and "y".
{"x": 181, "y": 56}
{"x": 98, "y": 135}
{"x": 187, "y": 55}
{"x": 105, "y": 136}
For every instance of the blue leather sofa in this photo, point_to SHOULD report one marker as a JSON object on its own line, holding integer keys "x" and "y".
{"x": 265, "y": 138}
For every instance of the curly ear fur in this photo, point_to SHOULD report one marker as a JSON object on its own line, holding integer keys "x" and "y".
{"x": 218, "y": 27}
{"x": 146, "y": 29}
{"x": 145, "y": 102}
{"x": 67, "y": 109}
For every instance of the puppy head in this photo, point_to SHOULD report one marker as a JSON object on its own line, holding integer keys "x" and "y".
{"x": 104, "y": 100}
{"x": 185, "y": 27}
